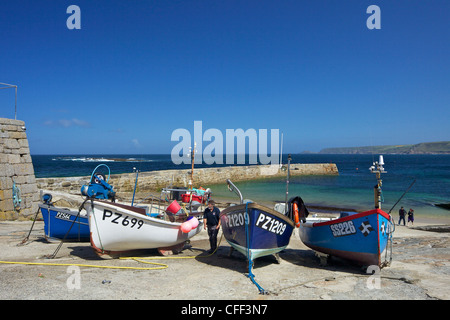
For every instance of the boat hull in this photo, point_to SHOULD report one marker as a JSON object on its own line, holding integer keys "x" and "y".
{"x": 267, "y": 232}
{"x": 118, "y": 228}
{"x": 361, "y": 237}
{"x": 58, "y": 221}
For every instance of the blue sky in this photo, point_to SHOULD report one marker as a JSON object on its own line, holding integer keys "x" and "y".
{"x": 138, "y": 70}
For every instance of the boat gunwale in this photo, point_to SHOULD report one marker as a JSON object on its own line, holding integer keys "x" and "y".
{"x": 138, "y": 213}
{"x": 64, "y": 210}
{"x": 352, "y": 217}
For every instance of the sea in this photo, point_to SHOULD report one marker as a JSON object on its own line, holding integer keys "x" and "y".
{"x": 428, "y": 174}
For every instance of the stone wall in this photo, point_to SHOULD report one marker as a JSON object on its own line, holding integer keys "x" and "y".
{"x": 16, "y": 166}
{"x": 155, "y": 180}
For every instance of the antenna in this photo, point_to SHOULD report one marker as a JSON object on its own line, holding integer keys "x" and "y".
{"x": 378, "y": 169}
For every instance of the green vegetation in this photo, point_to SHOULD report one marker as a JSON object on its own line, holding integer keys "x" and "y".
{"x": 442, "y": 147}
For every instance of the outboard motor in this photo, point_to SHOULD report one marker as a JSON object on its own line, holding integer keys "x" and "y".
{"x": 47, "y": 199}
{"x": 98, "y": 187}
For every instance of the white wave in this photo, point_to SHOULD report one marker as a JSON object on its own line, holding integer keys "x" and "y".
{"x": 91, "y": 159}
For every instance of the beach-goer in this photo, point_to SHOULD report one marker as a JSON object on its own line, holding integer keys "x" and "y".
{"x": 211, "y": 221}
{"x": 411, "y": 217}
{"x": 401, "y": 213}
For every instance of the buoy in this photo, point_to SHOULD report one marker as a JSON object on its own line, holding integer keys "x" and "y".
{"x": 194, "y": 222}
{"x": 186, "y": 227}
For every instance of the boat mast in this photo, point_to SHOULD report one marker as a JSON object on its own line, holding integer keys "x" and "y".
{"x": 192, "y": 155}
{"x": 378, "y": 169}
{"x": 287, "y": 183}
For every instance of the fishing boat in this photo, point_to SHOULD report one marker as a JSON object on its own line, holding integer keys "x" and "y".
{"x": 256, "y": 230}
{"x": 61, "y": 223}
{"x": 118, "y": 228}
{"x": 360, "y": 237}
{"x": 69, "y": 225}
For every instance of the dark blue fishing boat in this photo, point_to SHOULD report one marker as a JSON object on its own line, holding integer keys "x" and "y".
{"x": 255, "y": 230}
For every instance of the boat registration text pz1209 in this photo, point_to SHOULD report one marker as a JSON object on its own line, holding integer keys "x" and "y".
{"x": 117, "y": 218}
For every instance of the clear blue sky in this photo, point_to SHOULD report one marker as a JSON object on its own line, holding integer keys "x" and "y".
{"x": 138, "y": 70}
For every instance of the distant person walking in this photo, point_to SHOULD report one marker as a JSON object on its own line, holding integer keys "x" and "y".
{"x": 411, "y": 217}
{"x": 401, "y": 213}
{"x": 211, "y": 221}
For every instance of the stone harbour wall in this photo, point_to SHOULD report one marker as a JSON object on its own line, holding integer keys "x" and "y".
{"x": 16, "y": 166}
{"x": 156, "y": 180}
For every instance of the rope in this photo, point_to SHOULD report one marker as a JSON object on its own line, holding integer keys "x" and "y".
{"x": 160, "y": 266}
{"x": 250, "y": 262}
{"x": 387, "y": 263}
{"x": 96, "y": 226}
{"x": 65, "y": 236}
{"x": 16, "y": 196}
{"x": 29, "y": 233}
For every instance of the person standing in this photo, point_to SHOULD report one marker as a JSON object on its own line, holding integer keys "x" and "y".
{"x": 411, "y": 217}
{"x": 211, "y": 221}
{"x": 402, "y": 214}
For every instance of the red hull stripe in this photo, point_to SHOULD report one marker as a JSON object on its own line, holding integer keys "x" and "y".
{"x": 354, "y": 216}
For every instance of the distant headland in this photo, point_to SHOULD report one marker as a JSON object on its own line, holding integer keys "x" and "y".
{"x": 442, "y": 147}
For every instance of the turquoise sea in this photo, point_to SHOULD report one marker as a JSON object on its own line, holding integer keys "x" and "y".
{"x": 352, "y": 188}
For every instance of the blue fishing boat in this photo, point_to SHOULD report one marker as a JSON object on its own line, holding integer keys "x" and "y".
{"x": 255, "y": 230}
{"x": 69, "y": 225}
{"x": 359, "y": 237}
{"x": 64, "y": 224}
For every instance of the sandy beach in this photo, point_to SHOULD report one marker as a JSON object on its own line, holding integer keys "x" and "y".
{"x": 420, "y": 270}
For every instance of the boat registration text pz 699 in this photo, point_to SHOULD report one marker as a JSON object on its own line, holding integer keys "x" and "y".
{"x": 118, "y": 218}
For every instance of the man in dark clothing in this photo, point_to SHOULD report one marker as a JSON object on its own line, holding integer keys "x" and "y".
{"x": 402, "y": 214}
{"x": 411, "y": 216}
{"x": 211, "y": 221}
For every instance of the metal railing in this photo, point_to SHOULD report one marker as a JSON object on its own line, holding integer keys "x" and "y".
{"x": 7, "y": 86}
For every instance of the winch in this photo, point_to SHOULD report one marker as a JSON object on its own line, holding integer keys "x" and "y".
{"x": 98, "y": 187}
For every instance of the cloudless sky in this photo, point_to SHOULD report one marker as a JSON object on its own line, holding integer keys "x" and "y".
{"x": 139, "y": 69}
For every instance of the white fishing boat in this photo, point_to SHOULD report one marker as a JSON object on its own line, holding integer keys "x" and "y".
{"x": 117, "y": 228}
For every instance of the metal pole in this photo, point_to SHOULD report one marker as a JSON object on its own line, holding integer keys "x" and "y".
{"x": 135, "y": 185}
{"x": 234, "y": 189}
{"x": 15, "y": 106}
